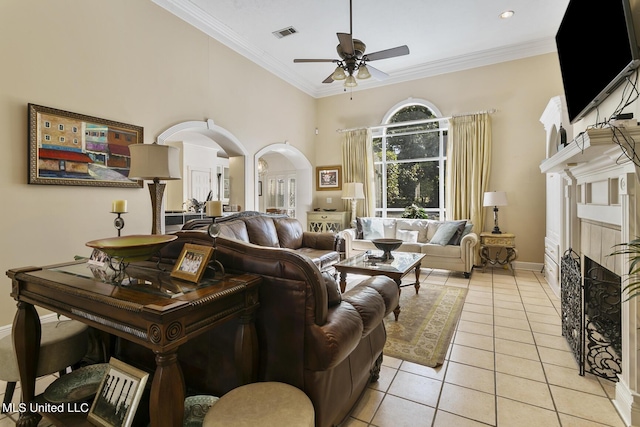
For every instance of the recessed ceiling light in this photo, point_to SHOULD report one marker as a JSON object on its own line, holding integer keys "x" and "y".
{"x": 507, "y": 14}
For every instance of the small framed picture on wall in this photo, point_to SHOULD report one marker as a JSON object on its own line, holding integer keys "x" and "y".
{"x": 328, "y": 178}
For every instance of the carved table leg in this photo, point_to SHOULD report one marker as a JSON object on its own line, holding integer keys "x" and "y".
{"x": 166, "y": 403}
{"x": 343, "y": 281}
{"x": 417, "y": 284}
{"x": 396, "y": 311}
{"x": 26, "y": 341}
{"x": 246, "y": 349}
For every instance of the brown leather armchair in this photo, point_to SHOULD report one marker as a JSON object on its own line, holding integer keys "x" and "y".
{"x": 309, "y": 335}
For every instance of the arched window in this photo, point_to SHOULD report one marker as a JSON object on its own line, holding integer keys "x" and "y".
{"x": 409, "y": 152}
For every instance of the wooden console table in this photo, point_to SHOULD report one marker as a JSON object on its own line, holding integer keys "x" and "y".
{"x": 156, "y": 311}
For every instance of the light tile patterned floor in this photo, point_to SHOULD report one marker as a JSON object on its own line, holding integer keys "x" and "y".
{"x": 508, "y": 366}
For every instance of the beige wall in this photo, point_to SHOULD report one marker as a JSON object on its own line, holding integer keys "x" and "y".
{"x": 519, "y": 90}
{"x": 133, "y": 62}
{"x": 128, "y": 61}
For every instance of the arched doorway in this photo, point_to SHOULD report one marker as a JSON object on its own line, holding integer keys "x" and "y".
{"x": 304, "y": 176}
{"x": 241, "y": 167}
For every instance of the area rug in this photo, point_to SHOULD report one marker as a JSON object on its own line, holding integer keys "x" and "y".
{"x": 426, "y": 324}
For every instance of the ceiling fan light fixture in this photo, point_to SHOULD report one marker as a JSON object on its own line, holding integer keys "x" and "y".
{"x": 350, "y": 82}
{"x": 363, "y": 72}
{"x": 339, "y": 74}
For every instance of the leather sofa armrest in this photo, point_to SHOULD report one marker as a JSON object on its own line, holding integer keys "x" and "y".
{"x": 325, "y": 241}
{"x": 362, "y": 310}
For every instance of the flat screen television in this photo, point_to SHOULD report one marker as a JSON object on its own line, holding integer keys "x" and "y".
{"x": 597, "y": 49}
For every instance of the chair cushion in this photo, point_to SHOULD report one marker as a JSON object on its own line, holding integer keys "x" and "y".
{"x": 62, "y": 344}
{"x": 320, "y": 257}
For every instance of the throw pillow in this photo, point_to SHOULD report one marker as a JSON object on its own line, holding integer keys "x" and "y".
{"x": 445, "y": 232}
{"x": 334, "y": 296}
{"x": 457, "y": 236}
{"x": 359, "y": 228}
{"x": 372, "y": 228}
{"x": 409, "y": 236}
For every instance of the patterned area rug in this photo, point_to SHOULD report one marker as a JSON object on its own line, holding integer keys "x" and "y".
{"x": 426, "y": 324}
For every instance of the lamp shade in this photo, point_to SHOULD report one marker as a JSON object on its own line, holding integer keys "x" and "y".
{"x": 495, "y": 198}
{"x": 154, "y": 162}
{"x": 352, "y": 190}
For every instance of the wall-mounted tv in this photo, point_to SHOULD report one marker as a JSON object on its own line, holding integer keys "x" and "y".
{"x": 597, "y": 48}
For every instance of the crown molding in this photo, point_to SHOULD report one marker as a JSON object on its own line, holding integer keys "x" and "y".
{"x": 217, "y": 30}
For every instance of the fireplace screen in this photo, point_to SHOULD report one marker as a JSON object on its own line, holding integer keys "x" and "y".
{"x": 603, "y": 323}
{"x": 591, "y": 316}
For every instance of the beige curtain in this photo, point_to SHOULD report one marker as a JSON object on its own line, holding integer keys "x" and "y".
{"x": 468, "y": 169}
{"x": 357, "y": 166}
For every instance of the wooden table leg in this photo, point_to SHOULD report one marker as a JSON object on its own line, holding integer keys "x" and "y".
{"x": 396, "y": 311}
{"x": 166, "y": 403}
{"x": 26, "y": 341}
{"x": 417, "y": 284}
{"x": 246, "y": 349}
{"x": 343, "y": 281}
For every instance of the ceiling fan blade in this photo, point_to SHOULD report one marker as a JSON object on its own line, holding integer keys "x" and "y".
{"x": 328, "y": 79}
{"x": 377, "y": 74}
{"x": 315, "y": 60}
{"x": 388, "y": 53}
{"x": 346, "y": 43}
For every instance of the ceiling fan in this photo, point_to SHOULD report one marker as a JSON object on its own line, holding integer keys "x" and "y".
{"x": 354, "y": 58}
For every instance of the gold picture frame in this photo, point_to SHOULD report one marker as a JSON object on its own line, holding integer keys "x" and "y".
{"x": 328, "y": 178}
{"x": 192, "y": 262}
{"x": 118, "y": 396}
{"x": 73, "y": 149}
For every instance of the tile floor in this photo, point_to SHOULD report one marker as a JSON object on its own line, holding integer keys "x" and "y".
{"x": 508, "y": 366}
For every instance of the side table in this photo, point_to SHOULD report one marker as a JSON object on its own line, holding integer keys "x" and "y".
{"x": 505, "y": 246}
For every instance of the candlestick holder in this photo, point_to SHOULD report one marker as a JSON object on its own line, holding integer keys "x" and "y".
{"x": 118, "y": 223}
{"x": 214, "y": 264}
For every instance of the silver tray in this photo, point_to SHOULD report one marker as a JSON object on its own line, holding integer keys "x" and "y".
{"x": 77, "y": 386}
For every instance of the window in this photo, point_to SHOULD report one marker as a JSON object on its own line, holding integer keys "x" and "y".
{"x": 409, "y": 161}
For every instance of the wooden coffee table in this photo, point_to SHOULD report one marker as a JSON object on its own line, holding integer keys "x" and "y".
{"x": 396, "y": 268}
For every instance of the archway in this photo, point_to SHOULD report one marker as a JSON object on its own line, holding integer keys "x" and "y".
{"x": 305, "y": 176}
{"x": 242, "y": 167}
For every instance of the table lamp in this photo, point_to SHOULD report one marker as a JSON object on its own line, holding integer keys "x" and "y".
{"x": 155, "y": 162}
{"x": 353, "y": 191}
{"x": 495, "y": 199}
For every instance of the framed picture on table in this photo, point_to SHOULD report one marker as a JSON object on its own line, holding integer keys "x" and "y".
{"x": 118, "y": 396}
{"x": 192, "y": 262}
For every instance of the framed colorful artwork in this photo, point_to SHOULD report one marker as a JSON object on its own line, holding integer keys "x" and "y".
{"x": 73, "y": 149}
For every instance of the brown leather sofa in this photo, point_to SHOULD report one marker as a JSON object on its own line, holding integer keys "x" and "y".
{"x": 277, "y": 231}
{"x": 309, "y": 335}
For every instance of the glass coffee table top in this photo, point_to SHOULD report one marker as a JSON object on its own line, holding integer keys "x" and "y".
{"x": 401, "y": 262}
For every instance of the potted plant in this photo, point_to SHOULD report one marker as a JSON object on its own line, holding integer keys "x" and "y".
{"x": 414, "y": 211}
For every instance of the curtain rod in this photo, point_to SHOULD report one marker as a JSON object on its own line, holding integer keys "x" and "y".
{"x": 417, "y": 122}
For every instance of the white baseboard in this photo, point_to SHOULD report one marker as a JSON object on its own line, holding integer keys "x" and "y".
{"x": 529, "y": 266}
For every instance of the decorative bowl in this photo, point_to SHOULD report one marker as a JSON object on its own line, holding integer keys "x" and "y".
{"x": 77, "y": 386}
{"x": 195, "y": 409}
{"x": 387, "y": 245}
{"x": 137, "y": 247}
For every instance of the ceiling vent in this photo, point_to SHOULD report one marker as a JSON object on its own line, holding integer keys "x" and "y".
{"x": 284, "y": 32}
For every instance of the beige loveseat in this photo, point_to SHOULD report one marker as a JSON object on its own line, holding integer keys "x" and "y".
{"x": 454, "y": 253}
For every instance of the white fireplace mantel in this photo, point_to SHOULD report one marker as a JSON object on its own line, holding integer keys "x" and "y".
{"x": 601, "y": 207}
